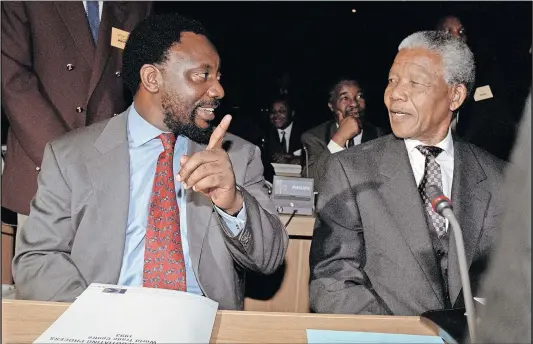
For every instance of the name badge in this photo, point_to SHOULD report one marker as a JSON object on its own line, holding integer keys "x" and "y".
{"x": 119, "y": 38}
{"x": 483, "y": 93}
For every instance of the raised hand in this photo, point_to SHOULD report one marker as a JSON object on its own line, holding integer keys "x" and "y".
{"x": 210, "y": 172}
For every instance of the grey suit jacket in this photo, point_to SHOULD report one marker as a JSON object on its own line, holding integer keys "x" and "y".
{"x": 371, "y": 251}
{"x": 316, "y": 142}
{"x": 76, "y": 229}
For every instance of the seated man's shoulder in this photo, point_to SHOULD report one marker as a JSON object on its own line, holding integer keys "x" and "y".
{"x": 236, "y": 144}
{"x": 79, "y": 141}
{"x": 368, "y": 149}
{"x": 317, "y": 131}
{"x": 493, "y": 166}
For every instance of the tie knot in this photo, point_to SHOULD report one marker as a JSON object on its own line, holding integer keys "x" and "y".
{"x": 168, "y": 140}
{"x": 429, "y": 150}
{"x": 283, "y": 132}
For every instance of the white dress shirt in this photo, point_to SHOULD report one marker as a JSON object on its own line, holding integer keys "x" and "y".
{"x": 287, "y": 131}
{"x": 100, "y": 6}
{"x": 444, "y": 159}
{"x": 333, "y": 147}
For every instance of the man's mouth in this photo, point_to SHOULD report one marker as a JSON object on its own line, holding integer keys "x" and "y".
{"x": 206, "y": 113}
{"x": 399, "y": 113}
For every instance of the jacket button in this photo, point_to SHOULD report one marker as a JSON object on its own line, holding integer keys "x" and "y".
{"x": 79, "y": 109}
{"x": 37, "y": 168}
{"x": 118, "y": 74}
{"x": 70, "y": 67}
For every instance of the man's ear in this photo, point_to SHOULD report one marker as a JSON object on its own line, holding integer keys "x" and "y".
{"x": 330, "y": 106}
{"x": 151, "y": 78}
{"x": 458, "y": 97}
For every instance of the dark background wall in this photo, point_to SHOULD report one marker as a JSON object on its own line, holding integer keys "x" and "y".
{"x": 315, "y": 41}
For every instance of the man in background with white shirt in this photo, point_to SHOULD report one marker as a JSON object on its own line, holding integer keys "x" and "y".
{"x": 378, "y": 247}
{"x": 61, "y": 70}
{"x": 281, "y": 143}
{"x": 347, "y": 129}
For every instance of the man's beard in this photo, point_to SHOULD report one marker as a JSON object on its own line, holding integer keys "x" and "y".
{"x": 184, "y": 125}
{"x": 360, "y": 114}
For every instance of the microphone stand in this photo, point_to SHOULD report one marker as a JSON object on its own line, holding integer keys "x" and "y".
{"x": 463, "y": 269}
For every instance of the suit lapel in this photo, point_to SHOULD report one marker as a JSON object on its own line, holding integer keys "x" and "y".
{"x": 470, "y": 201}
{"x": 401, "y": 197}
{"x": 75, "y": 19}
{"x": 330, "y": 131}
{"x": 199, "y": 212}
{"x": 113, "y": 15}
{"x": 110, "y": 175}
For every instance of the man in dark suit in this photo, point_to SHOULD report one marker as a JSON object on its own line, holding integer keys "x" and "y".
{"x": 347, "y": 129}
{"x": 378, "y": 247}
{"x": 282, "y": 142}
{"x": 61, "y": 70}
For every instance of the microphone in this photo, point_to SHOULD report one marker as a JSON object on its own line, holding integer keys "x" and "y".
{"x": 306, "y": 161}
{"x": 443, "y": 206}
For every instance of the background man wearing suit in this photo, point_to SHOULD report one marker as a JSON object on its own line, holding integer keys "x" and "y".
{"x": 108, "y": 208}
{"x": 378, "y": 247}
{"x": 349, "y": 128}
{"x": 282, "y": 143}
{"x": 60, "y": 71}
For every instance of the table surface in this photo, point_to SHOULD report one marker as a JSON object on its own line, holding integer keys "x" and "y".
{"x": 299, "y": 225}
{"x": 25, "y": 321}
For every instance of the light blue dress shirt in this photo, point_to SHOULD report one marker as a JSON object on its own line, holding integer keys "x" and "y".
{"x": 144, "y": 148}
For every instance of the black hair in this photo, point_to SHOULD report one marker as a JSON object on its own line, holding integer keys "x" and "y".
{"x": 338, "y": 82}
{"x": 281, "y": 98}
{"x": 150, "y": 41}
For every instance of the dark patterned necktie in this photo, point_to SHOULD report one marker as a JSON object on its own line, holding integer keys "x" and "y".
{"x": 93, "y": 15}
{"x": 432, "y": 176}
{"x": 164, "y": 263}
{"x": 283, "y": 142}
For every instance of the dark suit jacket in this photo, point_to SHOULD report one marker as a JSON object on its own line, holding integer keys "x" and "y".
{"x": 371, "y": 249}
{"x": 271, "y": 145}
{"x": 41, "y": 96}
{"x": 316, "y": 141}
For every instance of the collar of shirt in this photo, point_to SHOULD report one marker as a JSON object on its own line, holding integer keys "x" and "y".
{"x": 287, "y": 132}
{"x": 140, "y": 131}
{"x": 446, "y": 145}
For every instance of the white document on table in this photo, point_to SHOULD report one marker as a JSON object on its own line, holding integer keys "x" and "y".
{"x": 110, "y": 314}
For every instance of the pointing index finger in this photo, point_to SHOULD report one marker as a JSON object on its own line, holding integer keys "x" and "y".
{"x": 218, "y": 134}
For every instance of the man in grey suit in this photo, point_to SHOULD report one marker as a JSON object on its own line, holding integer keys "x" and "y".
{"x": 348, "y": 128}
{"x": 378, "y": 247}
{"x": 108, "y": 208}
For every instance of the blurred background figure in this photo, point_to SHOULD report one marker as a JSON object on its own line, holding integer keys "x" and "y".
{"x": 506, "y": 318}
{"x": 452, "y": 25}
{"x": 281, "y": 140}
{"x": 61, "y": 70}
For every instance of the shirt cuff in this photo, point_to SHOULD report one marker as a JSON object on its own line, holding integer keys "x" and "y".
{"x": 234, "y": 224}
{"x": 333, "y": 147}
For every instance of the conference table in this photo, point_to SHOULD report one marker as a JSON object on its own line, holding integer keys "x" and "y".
{"x": 25, "y": 321}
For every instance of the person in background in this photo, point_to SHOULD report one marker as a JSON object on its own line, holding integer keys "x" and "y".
{"x": 348, "y": 127}
{"x": 61, "y": 70}
{"x": 282, "y": 142}
{"x": 452, "y": 25}
{"x": 153, "y": 197}
{"x": 378, "y": 247}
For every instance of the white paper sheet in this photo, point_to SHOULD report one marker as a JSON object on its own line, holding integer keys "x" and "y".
{"x": 109, "y": 314}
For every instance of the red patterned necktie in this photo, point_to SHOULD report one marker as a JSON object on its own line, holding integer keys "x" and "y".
{"x": 164, "y": 264}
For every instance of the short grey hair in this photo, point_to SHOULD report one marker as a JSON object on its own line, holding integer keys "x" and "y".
{"x": 457, "y": 58}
